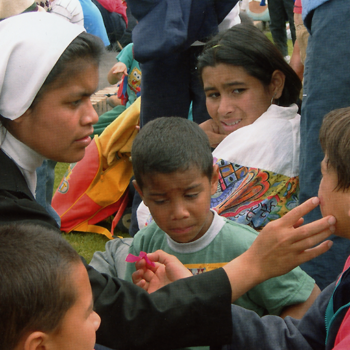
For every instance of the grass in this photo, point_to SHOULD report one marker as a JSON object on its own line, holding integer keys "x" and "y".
{"x": 84, "y": 243}
{"x": 87, "y": 243}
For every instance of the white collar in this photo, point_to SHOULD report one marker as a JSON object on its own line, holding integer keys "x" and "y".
{"x": 25, "y": 158}
{"x": 192, "y": 247}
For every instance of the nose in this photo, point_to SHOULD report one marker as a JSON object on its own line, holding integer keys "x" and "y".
{"x": 96, "y": 320}
{"x": 90, "y": 116}
{"x": 179, "y": 211}
{"x": 226, "y": 106}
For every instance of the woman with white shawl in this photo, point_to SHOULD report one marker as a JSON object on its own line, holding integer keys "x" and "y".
{"x": 250, "y": 95}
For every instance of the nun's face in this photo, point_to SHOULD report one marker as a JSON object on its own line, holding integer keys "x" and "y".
{"x": 59, "y": 126}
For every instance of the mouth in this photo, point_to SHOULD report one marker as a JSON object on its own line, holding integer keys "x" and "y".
{"x": 232, "y": 123}
{"x": 182, "y": 230}
{"x": 230, "y": 126}
{"x": 85, "y": 139}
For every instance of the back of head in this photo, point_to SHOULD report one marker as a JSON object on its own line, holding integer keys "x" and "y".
{"x": 170, "y": 144}
{"x": 335, "y": 142}
{"x": 35, "y": 293}
{"x": 246, "y": 46}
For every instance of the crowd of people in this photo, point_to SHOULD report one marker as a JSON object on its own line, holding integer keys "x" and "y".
{"x": 226, "y": 217}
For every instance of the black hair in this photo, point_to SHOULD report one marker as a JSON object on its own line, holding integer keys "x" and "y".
{"x": 246, "y": 46}
{"x": 170, "y": 144}
{"x": 86, "y": 48}
{"x": 335, "y": 143}
{"x": 35, "y": 280}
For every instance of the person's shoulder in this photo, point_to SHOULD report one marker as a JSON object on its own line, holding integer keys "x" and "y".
{"x": 149, "y": 235}
{"x": 233, "y": 226}
{"x": 238, "y": 237}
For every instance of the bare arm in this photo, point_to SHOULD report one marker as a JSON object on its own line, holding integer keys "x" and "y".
{"x": 116, "y": 73}
{"x": 298, "y": 310}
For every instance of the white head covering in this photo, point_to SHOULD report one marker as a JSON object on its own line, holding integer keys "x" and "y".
{"x": 30, "y": 45}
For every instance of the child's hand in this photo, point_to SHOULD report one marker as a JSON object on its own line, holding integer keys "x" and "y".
{"x": 168, "y": 269}
{"x": 120, "y": 67}
{"x": 116, "y": 72}
{"x": 212, "y": 131}
{"x": 281, "y": 246}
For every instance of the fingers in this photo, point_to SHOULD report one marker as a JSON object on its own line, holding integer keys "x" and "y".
{"x": 298, "y": 223}
{"x": 314, "y": 252}
{"x": 308, "y": 240}
{"x": 137, "y": 276}
{"x": 162, "y": 257}
{"x": 142, "y": 284}
{"x": 316, "y": 231}
{"x": 294, "y": 215}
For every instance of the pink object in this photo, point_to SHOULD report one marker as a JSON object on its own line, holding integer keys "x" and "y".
{"x": 132, "y": 258}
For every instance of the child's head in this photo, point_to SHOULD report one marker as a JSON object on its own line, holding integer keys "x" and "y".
{"x": 334, "y": 191}
{"x": 243, "y": 74}
{"x": 48, "y": 70}
{"x": 45, "y": 294}
{"x": 174, "y": 173}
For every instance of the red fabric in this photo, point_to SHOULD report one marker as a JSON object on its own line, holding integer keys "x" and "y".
{"x": 297, "y": 6}
{"x": 342, "y": 341}
{"x": 118, "y": 6}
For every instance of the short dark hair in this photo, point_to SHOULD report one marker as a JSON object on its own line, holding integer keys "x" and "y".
{"x": 335, "y": 143}
{"x": 35, "y": 293}
{"x": 85, "y": 47}
{"x": 169, "y": 144}
{"x": 246, "y": 46}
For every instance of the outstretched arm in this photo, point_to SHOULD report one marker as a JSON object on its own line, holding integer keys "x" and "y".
{"x": 281, "y": 246}
{"x": 116, "y": 73}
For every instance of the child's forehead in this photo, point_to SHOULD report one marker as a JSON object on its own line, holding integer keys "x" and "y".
{"x": 185, "y": 179}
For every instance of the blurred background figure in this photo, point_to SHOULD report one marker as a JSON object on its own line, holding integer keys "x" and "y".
{"x": 280, "y": 12}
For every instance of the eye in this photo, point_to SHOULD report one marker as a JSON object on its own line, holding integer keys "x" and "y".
{"x": 159, "y": 201}
{"x": 238, "y": 91}
{"x": 213, "y": 95}
{"x": 76, "y": 103}
{"x": 191, "y": 195}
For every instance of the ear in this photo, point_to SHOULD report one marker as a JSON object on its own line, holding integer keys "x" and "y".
{"x": 36, "y": 341}
{"x": 138, "y": 189}
{"x": 277, "y": 84}
{"x": 214, "y": 179}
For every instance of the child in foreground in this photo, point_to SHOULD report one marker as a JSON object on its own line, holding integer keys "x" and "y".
{"x": 45, "y": 296}
{"x": 326, "y": 325}
{"x": 175, "y": 177}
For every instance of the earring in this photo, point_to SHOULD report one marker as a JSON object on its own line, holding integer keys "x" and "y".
{"x": 273, "y": 97}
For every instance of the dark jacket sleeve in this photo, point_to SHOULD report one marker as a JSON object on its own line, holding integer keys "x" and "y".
{"x": 15, "y": 206}
{"x": 272, "y": 332}
{"x": 174, "y": 25}
{"x": 192, "y": 311}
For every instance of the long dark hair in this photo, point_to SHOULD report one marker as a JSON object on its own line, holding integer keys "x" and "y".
{"x": 246, "y": 46}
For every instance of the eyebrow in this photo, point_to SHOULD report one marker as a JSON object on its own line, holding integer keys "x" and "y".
{"x": 155, "y": 194}
{"x": 233, "y": 83}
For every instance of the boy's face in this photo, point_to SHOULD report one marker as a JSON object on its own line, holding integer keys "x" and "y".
{"x": 180, "y": 202}
{"x": 334, "y": 202}
{"x": 79, "y": 325}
